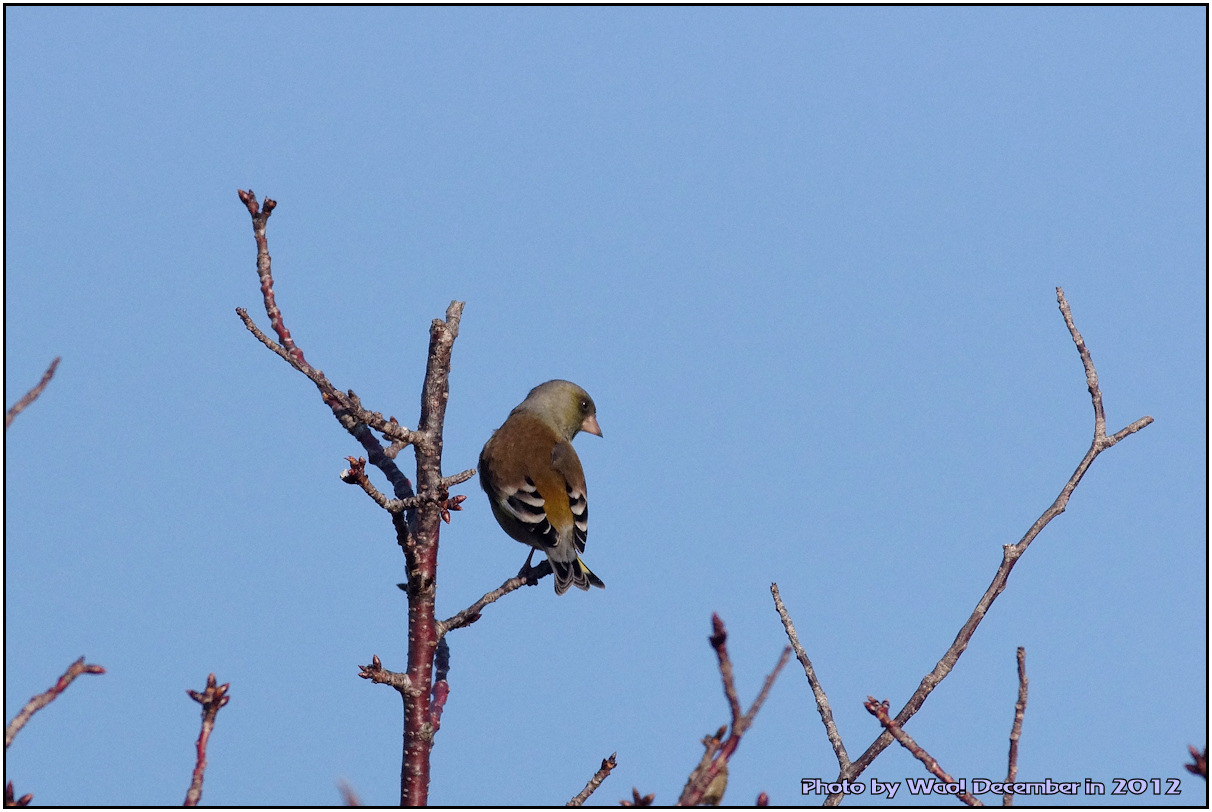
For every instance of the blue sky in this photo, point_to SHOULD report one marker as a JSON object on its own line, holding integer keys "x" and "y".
{"x": 804, "y": 259}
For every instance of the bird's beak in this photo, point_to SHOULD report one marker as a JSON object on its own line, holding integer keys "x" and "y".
{"x": 590, "y": 425}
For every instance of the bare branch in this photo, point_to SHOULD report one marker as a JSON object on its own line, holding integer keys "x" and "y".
{"x": 457, "y": 479}
{"x": 348, "y": 796}
{"x": 822, "y": 701}
{"x": 472, "y": 613}
{"x": 416, "y": 516}
{"x": 46, "y": 697}
{"x": 1096, "y": 395}
{"x": 356, "y": 475}
{"x": 1010, "y": 555}
{"x": 880, "y": 711}
{"x": 608, "y": 764}
{"x": 747, "y": 719}
{"x": 375, "y": 672}
{"x": 1199, "y": 762}
{"x": 345, "y": 406}
{"x": 265, "y": 273}
{"x": 441, "y": 688}
{"x": 702, "y": 784}
{"x": 639, "y": 800}
{"x": 30, "y": 396}
{"x": 214, "y": 697}
{"x": 11, "y": 799}
{"x": 1016, "y": 729}
{"x": 719, "y": 637}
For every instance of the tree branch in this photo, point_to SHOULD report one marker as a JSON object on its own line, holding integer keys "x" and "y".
{"x": 416, "y": 515}
{"x": 608, "y": 764}
{"x": 822, "y": 701}
{"x": 214, "y": 697}
{"x": 1199, "y": 762}
{"x": 375, "y": 672}
{"x": 1010, "y": 555}
{"x": 46, "y": 697}
{"x": 30, "y": 396}
{"x": 702, "y": 780}
{"x": 880, "y": 711}
{"x": 472, "y": 613}
{"x": 1016, "y": 729}
{"x": 11, "y": 799}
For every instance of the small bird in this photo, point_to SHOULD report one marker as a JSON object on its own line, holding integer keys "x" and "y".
{"x": 535, "y": 482}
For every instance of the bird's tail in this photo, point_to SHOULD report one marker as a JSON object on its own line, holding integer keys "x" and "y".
{"x": 573, "y": 573}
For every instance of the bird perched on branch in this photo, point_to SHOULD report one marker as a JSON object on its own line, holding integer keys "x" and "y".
{"x": 535, "y": 482}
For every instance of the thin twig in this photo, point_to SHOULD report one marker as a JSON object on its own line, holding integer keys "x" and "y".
{"x": 356, "y": 475}
{"x": 880, "y": 711}
{"x": 639, "y": 800}
{"x": 348, "y": 796}
{"x": 441, "y": 688}
{"x": 11, "y": 799}
{"x": 345, "y": 406}
{"x": 715, "y": 759}
{"x": 46, "y": 697}
{"x": 718, "y": 639}
{"x": 265, "y": 273}
{"x": 1016, "y": 730}
{"x": 30, "y": 396}
{"x": 608, "y": 764}
{"x": 822, "y": 701}
{"x": 214, "y": 697}
{"x": 1010, "y": 556}
{"x": 1199, "y": 762}
{"x": 375, "y": 672}
{"x": 472, "y": 613}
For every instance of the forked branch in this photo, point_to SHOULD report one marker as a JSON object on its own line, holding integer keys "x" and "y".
{"x": 1011, "y": 553}
{"x": 415, "y": 515}
{"x": 706, "y": 782}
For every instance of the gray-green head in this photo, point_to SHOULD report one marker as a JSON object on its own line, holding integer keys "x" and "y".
{"x": 566, "y": 406}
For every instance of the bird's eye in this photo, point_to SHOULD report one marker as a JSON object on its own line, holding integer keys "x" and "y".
{"x": 584, "y": 405}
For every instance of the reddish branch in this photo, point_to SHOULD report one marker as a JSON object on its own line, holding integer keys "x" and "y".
{"x": 345, "y": 406}
{"x": 848, "y": 771}
{"x": 416, "y": 516}
{"x": 264, "y": 272}
{"x": 214, "y": 697}
{"x": 1016, "y": 729}
{"x": 356, "y": 475}
{"x": 45, "y": 698}
{"x": 348, "y": 796}
{"x": 31, "y": 395}
{"x": 1199, "y": 762}
{"x": 639, "y": 800}
{"x": 880, "y": 711}
{"x": 717, "y": 751}
{"x": 441, "y": 688}
{"x": 421, "y": 554}
{"x": 11, "y": 799}
{"x": 608, "y": 764}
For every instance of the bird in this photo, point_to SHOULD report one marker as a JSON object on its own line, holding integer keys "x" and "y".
{"x": 535, "y": 482}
